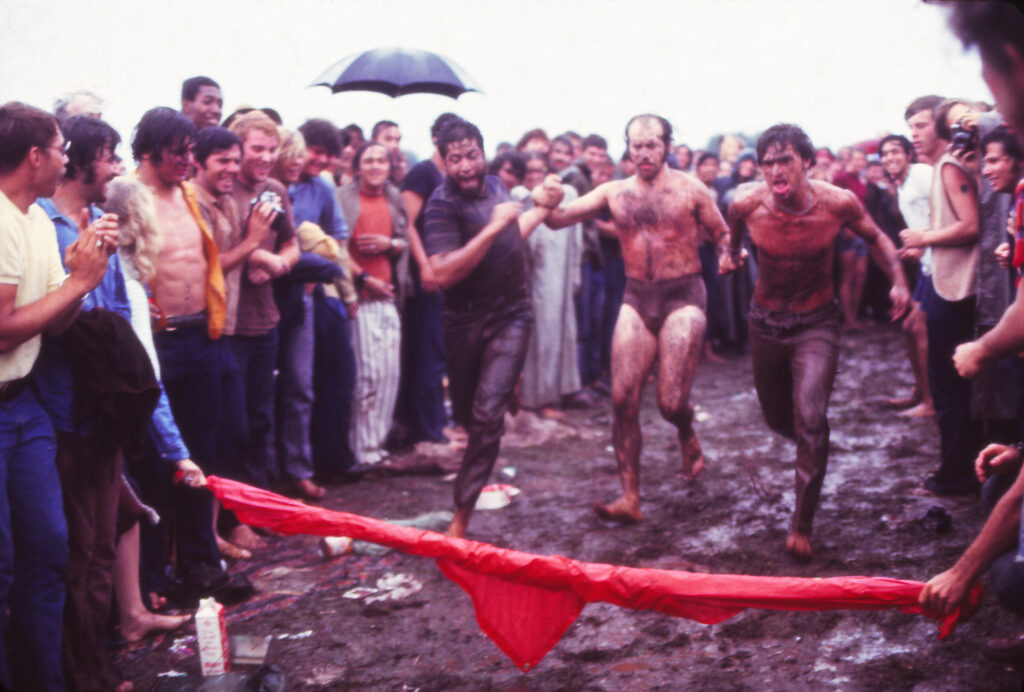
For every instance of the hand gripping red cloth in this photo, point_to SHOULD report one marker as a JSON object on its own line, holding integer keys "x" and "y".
{"x": 526, "y": 602}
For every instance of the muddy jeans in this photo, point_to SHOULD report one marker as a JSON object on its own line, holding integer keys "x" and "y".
{"x": 794, "y": 358}
{"x": 485, "y": 348}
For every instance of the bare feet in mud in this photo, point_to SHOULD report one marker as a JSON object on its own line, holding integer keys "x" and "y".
{"x": 799, "y": 546}
{"x": 138, "y": 628}
{"x": 912, "y": 399}
{"x": 922, "y": 410}
{"x": 247, "y": 539}
{"x": 622, "y": 510}
{"x": 693, "y": 458}
{"x": 710, "y": 355}
{"x": 230, "y": 551}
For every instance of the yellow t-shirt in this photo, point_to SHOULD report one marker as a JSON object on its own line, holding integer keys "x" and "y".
{"x": 30, "y": 260}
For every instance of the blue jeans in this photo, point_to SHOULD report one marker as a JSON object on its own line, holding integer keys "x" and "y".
{"x": 589, "y": 315}
{"x": 949, "y": 324}
{"x": 334, "y": 379}
{"x": 256, "y": 357}
{"x": 1006, "y": 575}
{"x": 295, "y": 394}
{"x": 192, "y": 371}
{"x": 33, "y": 547}
{"x": 421, "y": 382}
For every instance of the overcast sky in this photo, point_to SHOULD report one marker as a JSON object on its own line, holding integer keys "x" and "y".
{"x": 842, "y": 69}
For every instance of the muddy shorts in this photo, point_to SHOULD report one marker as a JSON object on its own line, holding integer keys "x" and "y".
{"x": 656, "y": 300}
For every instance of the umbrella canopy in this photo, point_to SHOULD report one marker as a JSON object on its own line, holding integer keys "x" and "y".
{"x": 396, "y": 72}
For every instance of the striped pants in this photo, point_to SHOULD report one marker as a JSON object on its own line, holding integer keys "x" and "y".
{"x": 376, "y": 340}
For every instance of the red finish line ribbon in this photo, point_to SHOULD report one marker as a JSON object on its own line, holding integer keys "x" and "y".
{"x": 526, "y": 602}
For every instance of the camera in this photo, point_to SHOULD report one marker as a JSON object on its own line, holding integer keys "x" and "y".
{"x": 269, "y": 196}
{"x": 963, "y": 138}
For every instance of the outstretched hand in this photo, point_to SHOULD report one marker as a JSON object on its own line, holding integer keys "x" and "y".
{"x": 548, "y": 194}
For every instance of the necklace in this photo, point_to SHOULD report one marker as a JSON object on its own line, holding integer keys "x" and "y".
{"x": 796, "y": 213}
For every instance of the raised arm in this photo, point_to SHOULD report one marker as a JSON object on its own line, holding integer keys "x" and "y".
{"x": 586, "y": 207}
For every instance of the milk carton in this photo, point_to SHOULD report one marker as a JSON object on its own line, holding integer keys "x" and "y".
{"x": 212, "y": 633}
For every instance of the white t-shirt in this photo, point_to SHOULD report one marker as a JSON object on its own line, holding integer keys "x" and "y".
{"x": 30, "y": 260}
{"x": 915, "y": 202}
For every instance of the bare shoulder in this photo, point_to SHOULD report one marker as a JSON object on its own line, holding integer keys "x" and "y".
{"x": 747, "y": 197}
{"x": 839, "y": 201}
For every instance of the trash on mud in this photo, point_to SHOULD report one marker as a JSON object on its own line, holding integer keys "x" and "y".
{"x": 359, "y": 592}
{"x": 702, "y": 416}
{"x": 172, "y": 674}
{"x": 306, "y": 634}
{"x": 449, "y": 478}
{"x": 212, "y": 634}
{"x": 938, "y": 520}
{"x": 391, "y": 587}
{"x": 509, "y": 472}
{"x": 496, "y": 496}
{"x": 249, "y": 649}
{"x": 181, "y": 647}
{"x": 333, "y": 546}
{"x": 429, "y": 520}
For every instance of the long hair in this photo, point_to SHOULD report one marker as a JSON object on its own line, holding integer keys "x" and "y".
{"x": 140, "y": 235}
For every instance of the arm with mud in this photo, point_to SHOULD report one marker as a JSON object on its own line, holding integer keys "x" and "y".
{"x": 882, "y": 251}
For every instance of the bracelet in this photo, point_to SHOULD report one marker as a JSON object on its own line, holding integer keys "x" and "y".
{"x": 1019, "y": 446}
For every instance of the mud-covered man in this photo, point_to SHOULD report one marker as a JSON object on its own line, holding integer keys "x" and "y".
{"x": 659, "y": 214}
{"x": 794, "y": 317}
{"x": 473, "y": 236}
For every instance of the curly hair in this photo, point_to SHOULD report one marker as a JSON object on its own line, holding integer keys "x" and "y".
{"x": 140, "y": 235}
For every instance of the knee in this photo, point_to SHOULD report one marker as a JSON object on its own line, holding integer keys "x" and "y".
{"x": 679, "y": 413}
{"x": 625, "y": 405}
{"x": 811, "y": 422}
{"x": 1006, "y": 577}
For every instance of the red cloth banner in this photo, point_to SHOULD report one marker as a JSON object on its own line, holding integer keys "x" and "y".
{"x": 526, "y": 602}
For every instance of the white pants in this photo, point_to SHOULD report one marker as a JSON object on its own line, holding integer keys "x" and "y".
{"x": 376, "y": 340}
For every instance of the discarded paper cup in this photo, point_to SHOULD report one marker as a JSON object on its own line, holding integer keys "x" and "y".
{"x": 496, "y": 496}
{"x": 333, "y": 546}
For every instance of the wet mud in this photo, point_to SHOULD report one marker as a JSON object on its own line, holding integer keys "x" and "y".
{"x": 394, "y": 622}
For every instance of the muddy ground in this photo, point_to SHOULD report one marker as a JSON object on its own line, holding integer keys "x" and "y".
{"x": 733, "y": 520}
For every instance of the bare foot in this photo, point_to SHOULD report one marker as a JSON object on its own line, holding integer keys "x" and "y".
{"x": 137, "y": 629}
{"x": 231, "y": 551}
{"x": 623, "y": 510}
{"x": 457, "y": 529}
{"x": 922, "y": 410}
{"x": 710, "y": 355}
{"x": 911, "y": 399}
{"x": 126, "y": 686}
{"x": 693, "y": 458}
{"x": 244, "y": 537}
{"x": 799, "y": 545}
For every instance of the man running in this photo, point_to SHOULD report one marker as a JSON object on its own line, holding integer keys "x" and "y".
{"x": 794, "y": 317}
{"x": 659, "y": 214}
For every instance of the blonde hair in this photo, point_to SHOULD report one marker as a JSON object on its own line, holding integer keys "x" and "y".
{"x": 139, "y": 229}
{"x": 293, "y": 144}
{"x": 254, "y": 120}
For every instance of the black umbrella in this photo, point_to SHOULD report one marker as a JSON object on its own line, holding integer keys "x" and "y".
{"x": 396, "y": 72}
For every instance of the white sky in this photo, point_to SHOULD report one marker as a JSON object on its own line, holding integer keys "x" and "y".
{"x": 842, "y": 69}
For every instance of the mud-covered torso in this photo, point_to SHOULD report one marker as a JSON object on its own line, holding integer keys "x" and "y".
{"x": 796, "y": 251}
{"x": 659, "y": 226}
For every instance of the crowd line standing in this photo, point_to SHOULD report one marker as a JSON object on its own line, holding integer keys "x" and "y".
{"x": 296, "y": 277}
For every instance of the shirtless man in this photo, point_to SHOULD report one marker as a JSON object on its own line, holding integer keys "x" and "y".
{"x": 659, "y": 213}
{"x": 794, "y": 317}
{"x": 188, "y": 292}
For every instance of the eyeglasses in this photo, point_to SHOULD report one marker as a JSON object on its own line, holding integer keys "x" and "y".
{"x": 63, "y": 148}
